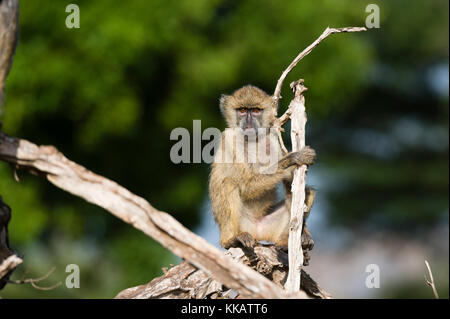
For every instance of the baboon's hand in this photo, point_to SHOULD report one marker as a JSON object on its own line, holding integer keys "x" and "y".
{"x": 306, "y": 156}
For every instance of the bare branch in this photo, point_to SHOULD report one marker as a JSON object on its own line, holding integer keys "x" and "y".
{"x": 298, "y": 189}
{"x": 280, "y": 140}
{"x": 296, "y": 109}
{"x": 279, "y": 122}
{"x": 33, "y": 281}
{"x": 187, "y": 282}
{"x": 305, "y": 52}
{"x": 431, "y": 281}
{"x": 77, "y": 180}
{"x": 9, "y": 264}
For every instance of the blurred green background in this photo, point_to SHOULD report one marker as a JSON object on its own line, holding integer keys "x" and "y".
{"x": 108, "y": 95}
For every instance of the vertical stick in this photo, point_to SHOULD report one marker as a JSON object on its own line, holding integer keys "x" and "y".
{"x": 298, "y": 117}
{"x": 298, "y": 122}
{"x": 431, "y": 281}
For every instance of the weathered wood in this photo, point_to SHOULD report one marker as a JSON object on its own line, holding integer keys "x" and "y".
{"x": 430, "y": 282}
{"x": 187, "y": 282}
{"x": 328, "y": 31}
{"x": 296, "y": 111}
{"x": 75, "y": 179}
{"x": 7, "y": 266}
{"x": 298, "y": 123}
{"x": 277, "y": 93}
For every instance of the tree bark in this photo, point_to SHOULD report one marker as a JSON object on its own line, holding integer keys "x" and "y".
{"x": 298, "y": 123}
{"x": 188, "y": 282}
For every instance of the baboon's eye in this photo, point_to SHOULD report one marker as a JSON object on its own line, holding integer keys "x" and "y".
{"x": 242, "y": 110}
{"x": 256, "y": 111}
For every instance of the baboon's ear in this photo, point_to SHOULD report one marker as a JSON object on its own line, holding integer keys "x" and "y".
{"x": 223, "y": 102}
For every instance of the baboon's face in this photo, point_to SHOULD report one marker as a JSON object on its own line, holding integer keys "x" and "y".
{"x": 248, "y": 108}
{"x": 249, "y": 117}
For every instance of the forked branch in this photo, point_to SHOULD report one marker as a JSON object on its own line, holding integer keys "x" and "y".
{"x": 305, "y": 52}
{"x": 34, "y": 281}
{"x": 279, "y": 122}
{"x": 296, "y": 110}
{"x": 431, "y": 281}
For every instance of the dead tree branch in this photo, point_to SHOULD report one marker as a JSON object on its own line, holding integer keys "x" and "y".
{"x": 278, "y": 125}
{"x": 305, "y": 52}
{"x": 33, "y": 281}
{"x": 77, "y": 180}
{"x": 298, "y": 189}
{"x": 8, "y": 265}
{"x": 187, "y": 282}
{"x": 296, "y": 110}
{"x": 431, "y": 281}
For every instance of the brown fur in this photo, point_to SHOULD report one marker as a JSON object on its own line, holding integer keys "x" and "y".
{"x": 242, "y": 198}
{"x": 246, "y": 96}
